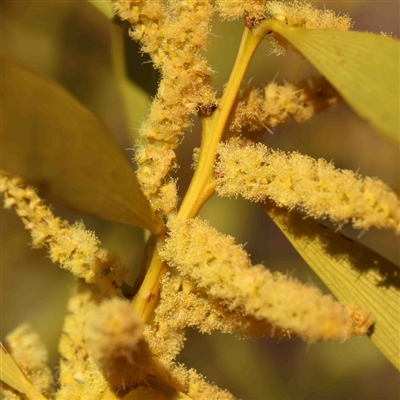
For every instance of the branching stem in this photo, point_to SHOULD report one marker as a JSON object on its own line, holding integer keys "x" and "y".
{"x": 146, "y": 298}
{"x": 202, "y": 186}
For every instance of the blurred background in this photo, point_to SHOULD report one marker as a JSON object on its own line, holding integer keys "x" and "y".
{"x": 70, "y": 42}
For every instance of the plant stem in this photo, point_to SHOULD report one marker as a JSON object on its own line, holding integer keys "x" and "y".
{"x": 146, "y": 298}
{"x": 202, "y": 185}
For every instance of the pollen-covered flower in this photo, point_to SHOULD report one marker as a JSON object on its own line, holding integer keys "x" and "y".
{"x": 314, "y": 186}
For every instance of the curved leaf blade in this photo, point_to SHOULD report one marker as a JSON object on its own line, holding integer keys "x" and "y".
{"x": 354, "y": 274}
{"x": 11, "y": 374}
{"x": 54, "y": 142}
{"x": 130, "y": 91}
{"x": 105, "y": 7}
{"x": 363, "y": 67}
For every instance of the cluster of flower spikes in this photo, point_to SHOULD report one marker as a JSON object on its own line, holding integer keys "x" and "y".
{"x": 223, "y": 269}
{"x": 169, "y": 35}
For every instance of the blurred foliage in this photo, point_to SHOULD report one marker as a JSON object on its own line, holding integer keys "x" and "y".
{"x": 44, "y": 128}
{"x": 347, "y": 59}
{"x": 69, "y": 42}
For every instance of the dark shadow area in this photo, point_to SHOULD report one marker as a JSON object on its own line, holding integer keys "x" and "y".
{"x": 139, "y": 66}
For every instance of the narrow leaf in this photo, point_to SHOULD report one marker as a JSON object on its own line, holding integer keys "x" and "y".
{"x": 104, "y": 7}
{"x": 54, "y": 142}
{"x": 12, "y": 376}
{"x": 131, "y": 92}
{"x": 363, "y": 67}
{"x": 355, "y": 274}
